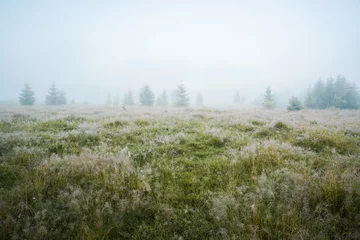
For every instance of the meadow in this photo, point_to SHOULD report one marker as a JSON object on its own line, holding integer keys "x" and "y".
{"x": 85, "y": 172}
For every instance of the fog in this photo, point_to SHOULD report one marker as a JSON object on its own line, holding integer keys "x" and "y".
{"x": 91, "y": 49}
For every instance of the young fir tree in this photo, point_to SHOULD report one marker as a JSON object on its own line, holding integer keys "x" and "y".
{"x": 341, "y": 87}
{"x": 147, "y": 96}
{"x": 117, "y": 100}
{"x": 129, "y": 98}
{"x": 62, "y": 98}
{"x": 108, "y": 100}
{"x": 319, "y": 95}
{"x": 181, "y": 96}
{"x": 52, "y": 96}
{"x": 27, "y": 96}
{"x": 329, "y": 94}
{"x": 294, "y": 104}
{"x": 199, "y": 100}
{"x": 269, "y": 99}
{"x": 238, "y": 99}
{"x": 352, "y": 97}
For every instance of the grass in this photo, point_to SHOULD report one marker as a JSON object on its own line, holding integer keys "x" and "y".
{"x": 74, "y": 173}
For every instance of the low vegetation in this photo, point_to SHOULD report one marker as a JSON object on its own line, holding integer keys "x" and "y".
{"x": 106, "y": 173}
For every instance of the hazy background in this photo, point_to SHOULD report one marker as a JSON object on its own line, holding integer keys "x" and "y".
{"x": 94, "y": 48}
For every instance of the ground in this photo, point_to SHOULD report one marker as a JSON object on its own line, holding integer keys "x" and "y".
{"x": 82, "y": 172}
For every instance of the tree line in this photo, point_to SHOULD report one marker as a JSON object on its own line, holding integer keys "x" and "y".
{"x": 338, "y": 93}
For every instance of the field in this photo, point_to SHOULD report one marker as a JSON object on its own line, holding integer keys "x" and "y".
{"x": 156, "y": 173}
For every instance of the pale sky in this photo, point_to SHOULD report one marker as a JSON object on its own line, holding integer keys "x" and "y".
{"x": 93, "y": 48}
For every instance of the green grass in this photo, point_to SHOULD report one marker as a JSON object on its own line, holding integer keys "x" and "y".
{"x": 187, "y": 174}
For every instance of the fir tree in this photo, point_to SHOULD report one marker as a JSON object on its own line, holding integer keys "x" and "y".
{"x": 117, "y": 100}
{"x": 181, "y": 97}
{"x": 53, "y": 95}
{"x": 341, "y": 88}
{"x": 128, "y": 98}
{"x": 62, "y": 98}
{"x": 147, "y": 96}
{"x": 199, "y": 100}
{"x": 294, "y": 104}
{"x": 238, "y": 99}
{"x": 319, "y": 95}
{"x": 27, "y": 96}
{"x": 108, "y": 100}
{"x": 269, "y": 99}
{"x": 352, "y": 97}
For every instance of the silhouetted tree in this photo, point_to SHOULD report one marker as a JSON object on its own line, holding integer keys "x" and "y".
{"x": 269, "y": 99}
{"x": 117, "y": 100}
{"x": 199, "y": 100}
{"x": 162, "y": 99}
{"x": 294, "y": 104}
{"x": 238, "y": 99}
{"x": 62, "y": 98}
{"x": 52, "y": 96}
{"x": 27, "y": 96}
{"x": 329, "y": 93}
{"x": 128, "y": 98}
{"x": 181, "y": 97}
{"x": 108, "y": 100}
{"x": 147, "y": 96}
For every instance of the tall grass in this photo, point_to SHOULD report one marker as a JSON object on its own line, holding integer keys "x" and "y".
{"x": 179, "y": 174}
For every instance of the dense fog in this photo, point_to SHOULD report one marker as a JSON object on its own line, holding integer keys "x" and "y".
{"x": 95, "y": 49}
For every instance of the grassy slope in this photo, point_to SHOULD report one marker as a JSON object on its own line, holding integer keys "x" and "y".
{"x": 70, "y": 173}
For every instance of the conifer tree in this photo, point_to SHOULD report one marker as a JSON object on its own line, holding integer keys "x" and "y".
{"x": 128, "y": 98}
{"x": 238, "y": 99}
{"x": 269, "y": 99}
{"x": 147, "y": 96}
{"x": 62, "y": 98}
{"x": 52, "y": 96}
{"x": 108, "y": 100}
{"x": 294, "y": 104}
{"x": 199, "y": 100}
{"x": 329, "y": 94}
{"x": 27, "y": 96}
{"x": 181, "y": 96}
{"x": 117, "y": 100}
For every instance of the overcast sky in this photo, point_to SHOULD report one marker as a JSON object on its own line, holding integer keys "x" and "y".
{"x": 92, "y": 48}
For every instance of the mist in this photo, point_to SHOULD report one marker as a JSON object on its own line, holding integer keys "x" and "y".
{"x": 91, "y": 49}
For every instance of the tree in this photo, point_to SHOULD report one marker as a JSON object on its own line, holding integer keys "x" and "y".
{"x": 162, "y": 99}
{"x": 117, "y": 100}
{"x": 352, "y": 97}
{"x": 238, "y": 99}
{"x": 309, "y": 101}
{"x": 269, "y": 99}
{"x": 27, "y": 96}
{"x": 199, "y": 100}
{"x": 294, "y": 104}
{"x": 181, "y": 96}
{"x": 341, "y": 88}
{"x": 108, "y": 100}
{"x": 53, "y": 95}
{"x": 329, "y": 94}
{"x": 61, "y": 99}
{"x": 129, "y": 98}
{"x": 147, "y": 96}
{"x": 73, "y": 101}
{"x": 319, "y": 95}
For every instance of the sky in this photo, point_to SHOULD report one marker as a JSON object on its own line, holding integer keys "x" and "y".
{"x": 91, "y": 49}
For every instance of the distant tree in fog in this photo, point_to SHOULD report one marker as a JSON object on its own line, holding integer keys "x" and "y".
{"x": 129, "y": 98}
{"x": 269, "y": 99}
{"x": 117, "y": 100}
{"x": 294, "y": 104}
{"x": 199, "y": 100}
{"x": 181, "y": 96}
{"x": 238, "y": 99}
{"x": 338, "y": 94}
{"x": 73, "y": 101}
{"x": 27, "y": 96}
{"x": 162, "y": 100}
{"x": 62, "y": 98}
{"x": 147, "y": 96}
{"x": 108, "y": 100}
{"x": 52, "y": 96}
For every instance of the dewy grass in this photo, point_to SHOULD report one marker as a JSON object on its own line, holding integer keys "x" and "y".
{"x": 105, "y": 173}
